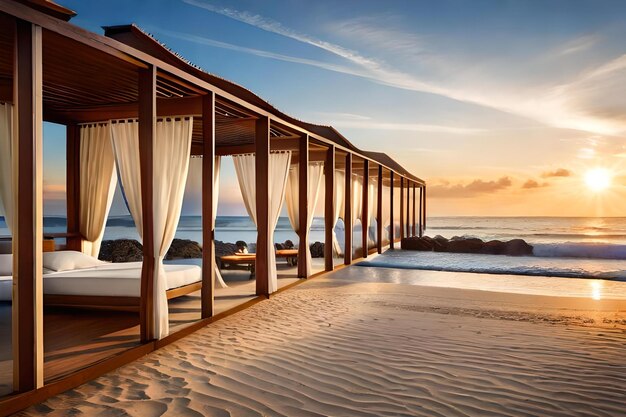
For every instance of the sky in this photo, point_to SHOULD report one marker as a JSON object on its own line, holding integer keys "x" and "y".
{"x": 503, "y": 107}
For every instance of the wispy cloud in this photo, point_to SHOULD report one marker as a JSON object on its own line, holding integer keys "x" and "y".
{"x": 407, "y": 127}
{"x": 471, "y": 189}
{"x": 579, "y": 44}
{"x": 559, "y": 172}
{"x": 556, "y": 106}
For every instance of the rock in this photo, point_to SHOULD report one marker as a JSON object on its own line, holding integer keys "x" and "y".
{"x": 288, "y": 244}
{"x": 121, "y": 250}
{"x": 462, "y": 245}
{"x": 317, "y": 250}
{"x": 417, "y": 243}
{"x": 184, "y": 249}
{"x": 224, "y": 248}
{"x": 493, "y": 247}
{"x": 440, "y": 243}
{"x": 518, "y": 247}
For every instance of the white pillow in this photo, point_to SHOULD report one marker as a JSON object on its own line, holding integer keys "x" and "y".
{"x": 6, "y": 265}
{"x": 68, "y": 260}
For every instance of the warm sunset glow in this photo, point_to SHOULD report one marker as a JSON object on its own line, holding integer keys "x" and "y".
{"x": 598, "y": 179}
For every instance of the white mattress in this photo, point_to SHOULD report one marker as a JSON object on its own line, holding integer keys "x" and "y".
{"x": 116, "y": 280}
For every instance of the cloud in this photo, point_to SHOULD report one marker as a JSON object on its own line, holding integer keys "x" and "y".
{"x": 471, "y": 189}
{"x": 574, "y": 105}
{"x": 579, "y": 44}
{"x": 409, "y": 127}
{"x": 560, "y": 172}
{"x": 530, "y": 184}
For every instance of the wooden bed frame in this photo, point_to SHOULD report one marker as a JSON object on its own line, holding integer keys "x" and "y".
{"x": 110, "y": 302}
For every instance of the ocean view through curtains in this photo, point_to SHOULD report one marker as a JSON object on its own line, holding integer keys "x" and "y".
{"x": 338, "y": 209}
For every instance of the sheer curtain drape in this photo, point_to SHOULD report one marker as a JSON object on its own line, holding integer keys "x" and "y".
{"x": 172, "y": 145}
{"x": 6, "y": 163}
{"x": 357, "y": 207}
{"x": 216, "y": 193}
{"x": 316, "y": 171}
{"x": 340, "y": 196}
{"x": 372, "y": 209}
{"x": 245, "y": 167}
{"x": 97, "y": 184}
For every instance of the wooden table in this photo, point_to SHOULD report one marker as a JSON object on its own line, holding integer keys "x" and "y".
{"x": 247, "y": 259}
{"x": 291, "y": 255}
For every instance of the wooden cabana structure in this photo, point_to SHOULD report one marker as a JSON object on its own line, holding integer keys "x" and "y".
{"x": 51, "y": 70}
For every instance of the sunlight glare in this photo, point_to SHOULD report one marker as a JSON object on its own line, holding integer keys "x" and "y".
{"x": 598, "y": 179}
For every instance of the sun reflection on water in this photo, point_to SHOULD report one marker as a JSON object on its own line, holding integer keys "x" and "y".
{"x": 596, "y": 289}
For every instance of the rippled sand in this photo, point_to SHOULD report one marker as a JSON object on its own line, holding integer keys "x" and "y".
{"x": 337, "y": 347}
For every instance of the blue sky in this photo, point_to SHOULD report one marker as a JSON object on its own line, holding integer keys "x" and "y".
{"x": 463, "y": 93}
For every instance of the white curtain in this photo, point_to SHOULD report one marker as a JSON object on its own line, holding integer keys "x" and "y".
{"x": 172, "y": 145}
{"x": 340, "y": 196}
{"x": 245, "y": 167}
{"x": 316, "y": 171}
{"x": 386, "y": 213}
{"x": 216, "y": 193}
{"x": 372, "y": 209}
{"x": 97, "y": 184}
{"x": 6, "y": 164}
{"x": 357, "y": 207}
{"x": 125, "y": 137}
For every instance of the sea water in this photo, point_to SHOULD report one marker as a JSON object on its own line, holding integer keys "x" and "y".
{"x": 562, "y": 246}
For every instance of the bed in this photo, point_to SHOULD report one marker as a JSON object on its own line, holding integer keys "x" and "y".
{"x": 74, "y": 279}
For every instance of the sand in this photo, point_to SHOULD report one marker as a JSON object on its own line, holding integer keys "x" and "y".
{"x": 333, "y": 346}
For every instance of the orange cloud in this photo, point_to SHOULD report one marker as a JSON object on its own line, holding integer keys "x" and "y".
{"x": 530, "y": 184}
{"x": 561, "y": 172}
{"x": 472, "y": 189}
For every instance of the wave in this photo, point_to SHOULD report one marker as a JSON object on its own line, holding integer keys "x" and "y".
{"x": 579, "y": 250}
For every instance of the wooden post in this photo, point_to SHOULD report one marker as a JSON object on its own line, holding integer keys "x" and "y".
{"x": 263, "y": 249}
{"x": 424, "y": 211}
{"x": 147, "y": 129}
{"x": 379, "y": 211}
{"x": 347, "y": 216}
{"x": 365, "y": 209}
{"x": 392, "y": 230}
{"x": 27, "y": 304}
{"x": 408, "y": 209}
{"x": 401, "y": 208}
{"x": 73, "y": 187}
{"x": 329, "y": 207}
{"x": 421, "y": 216}
{"x": 413, "y": 233}
{"x": 208, "y": 197}
{"x": 303, "y": 203}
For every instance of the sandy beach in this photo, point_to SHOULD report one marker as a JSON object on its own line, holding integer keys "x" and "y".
{"x": 335, "y": 346}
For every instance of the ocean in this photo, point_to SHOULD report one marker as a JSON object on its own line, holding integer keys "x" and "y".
{"x": 593, "y": 247}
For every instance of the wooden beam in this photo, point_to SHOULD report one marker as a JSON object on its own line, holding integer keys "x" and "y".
{"x": 421, "y": 215}
{"x": 303, "y": 203}
{"x": 424, "y": 211}
{"x": 207, "y": 293}
{"x": 329, "y": 207}
{"x": 6, "y": 90}
{"x": 365, "y": 208}
{"x": 379, "y": 211}
{"x": 147, "y": 129}
{"x": 408, "y": 209}
{"x": 392, "y": 230}
{"x": 401, "y": 208}
{"x": 73, "y": 187}
{"x": 263, "y": 249}
{"x": 347, "y": 216}
{"x": 27, "y": 304}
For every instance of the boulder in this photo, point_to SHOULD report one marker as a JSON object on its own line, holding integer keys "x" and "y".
{"x": 494, "y": 247}
{"x": 224, "y": 248}
{"x": 184, "y": 249}
{"x": 440, "y": 243}
{"x": 121, "y": 250}
{"x": 518, "y": 247}
{"x": 417, "y": 243}
{"x": 465, "y": 245}
{"x": 317, "y": 250}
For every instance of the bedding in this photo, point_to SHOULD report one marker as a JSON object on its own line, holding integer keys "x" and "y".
{"x": 69, "y": 260}
{"x": 112, "y": 280}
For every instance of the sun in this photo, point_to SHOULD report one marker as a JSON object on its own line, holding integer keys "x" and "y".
{"x": 598, "y": 179}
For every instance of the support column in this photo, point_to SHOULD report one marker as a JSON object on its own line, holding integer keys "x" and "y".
{"x": 424, "y": 212}
{"x": 347, "y": 216}
{"x": 392, "y": 231}
{"x": 421, "y": 215}
{"x": 379, "y": 211}
{"x": 329, "y": 207}
{"x": 303, "y": 203}
{"x": 263, "y": 249}
{"x": 413, "y": 233}
{"x": 147, "y": 129}
{"x": 27, "y": 305}
{"x": 208, "y": 197}
{"x": 73, "y": 187}
{"x": 408, "y": 209}
{"x": 401, "y": 208}
{"x": 365, "y": 208}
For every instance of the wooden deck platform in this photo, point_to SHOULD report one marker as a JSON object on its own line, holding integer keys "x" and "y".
{"x": 76, "y": 338}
